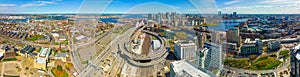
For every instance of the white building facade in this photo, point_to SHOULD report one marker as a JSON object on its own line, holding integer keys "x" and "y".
{"x": 185, "y": 50}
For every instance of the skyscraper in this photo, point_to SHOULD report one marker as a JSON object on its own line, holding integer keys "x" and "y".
{"x": 185, "y": 50}
{"x": 234, "y": 14}
{"x": 233, "y": 36}
{"x": 234, "y": 40}
{"x": 150, "y": 16}
{"x": 210, "y": 57}
{"x": 219, "y": 13}
{"x": 159, "y": 18}
{"x": 215, "y": 37}
{"x": 167, "y": 15}
{"x": 201, "y": 36}
{"x": 295, "y": 61}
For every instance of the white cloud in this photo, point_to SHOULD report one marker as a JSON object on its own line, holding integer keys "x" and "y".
{"x": 6, "y": 9}
{"x": 40, "y": 3}
{"x": 46, "y": 2}
{"x": 33, "y": 4}
{"x": 279, "y": 2}
{"x": 264, "y": 9}
{"x": 232, "y": 2}
{"x": 273, "y": 1}
{"x": 3, "y": 9}
{"x": 6, "y": 5}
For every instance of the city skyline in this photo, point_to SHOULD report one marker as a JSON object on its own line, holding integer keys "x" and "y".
{"x": 149, "y": 38}
{"x": 153, "y": 6}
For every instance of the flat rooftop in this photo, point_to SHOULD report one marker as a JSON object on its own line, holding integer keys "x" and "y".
{"x": 296, "y": 51}
{"x": 41, "y": 60}
{"x": 44, "y": 52}
{"x": 248, "y": 45}
{"x": 186, "y": 43}
{"x": 183, "y": 68}
{"x": 298, "y": 55}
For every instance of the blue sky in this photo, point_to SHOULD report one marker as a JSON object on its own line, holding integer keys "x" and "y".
{"x": 151, "y": 6}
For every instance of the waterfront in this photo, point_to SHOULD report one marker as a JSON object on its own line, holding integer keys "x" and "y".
{"x": 226, "y": 24}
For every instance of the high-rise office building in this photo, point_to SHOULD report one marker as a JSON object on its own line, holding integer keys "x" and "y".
{"x": 201, "y": 36}
{"x": 159, "y": 18}
{"x": 150, "y": 16}
{"x": 167, "y": 15}
{"x": 234, "y": 14}
{"x": 215, "y": 37}
{"x": 210, "y": 57}
{"x": 185, "y": 49}
{"x": 219, "y": 13}
{"x": 173, "y": 16}
{"x": 260, "y": 46}
{"x": 295, "y": 61}
{"x": 218, "y": 37}
{"x": 168, "y": 18}
{"x": 233, "y": 36}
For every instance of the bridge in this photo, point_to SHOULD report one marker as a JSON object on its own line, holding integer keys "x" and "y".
{"x": 132, "y": 58}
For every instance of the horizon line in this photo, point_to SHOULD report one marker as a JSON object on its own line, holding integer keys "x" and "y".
{"x": 144, "y": 13}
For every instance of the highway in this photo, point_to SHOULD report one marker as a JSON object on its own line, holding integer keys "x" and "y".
{"x": 92, "y": 68}
{"x": 159, "y": 53}
{"x": 74, "y": 53}
{"x": 94, "y": 40}
{"x": 76, "y": 59}
{"x": 131, "y": 57}
{"x": 112, "y": 47}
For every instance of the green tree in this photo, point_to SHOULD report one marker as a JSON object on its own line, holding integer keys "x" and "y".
{"x": 59, "y": 68}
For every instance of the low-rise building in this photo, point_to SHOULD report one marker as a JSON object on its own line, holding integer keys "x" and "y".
{"x": 47, "y": 39}
{"x": 169, "y": 34}
{"x": 1, "y": 55}
{"x": 9, "y": 51}
{"x": 2, "y": 51}
{"x": 80, "y": 37}
{"x": 9, "y": 54}
{"x": 231, "y": 48}
{"x": 252, "y": 48}
{"x": 62, "y": 57}
{"x": 275, "y": 45}
{"x": 42, "y": 59}
{"x": 55, "y": 35}
{"x": 26, "y": 50}
{"x": 62, "y": 38}
{"x": 155, "y": 44}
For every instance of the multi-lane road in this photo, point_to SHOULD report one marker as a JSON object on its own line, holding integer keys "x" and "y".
{"x": 158, "y": 56}
{"x": 93, "y": 65}
{"x": 92, "y": 68}
{"x": 74, "y": 47}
